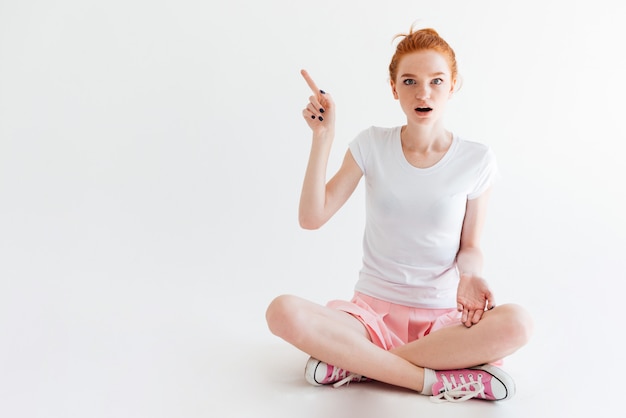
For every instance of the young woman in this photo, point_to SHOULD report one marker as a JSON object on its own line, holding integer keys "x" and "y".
{"x": 422, "y": 316}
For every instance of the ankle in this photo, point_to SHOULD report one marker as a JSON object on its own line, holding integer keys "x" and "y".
{"x": 430, "y": 378}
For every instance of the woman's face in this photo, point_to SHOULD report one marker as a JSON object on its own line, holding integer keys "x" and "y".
{"x": 423, "y": 86}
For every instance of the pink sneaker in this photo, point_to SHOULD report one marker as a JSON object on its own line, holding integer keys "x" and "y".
{"x": 483, "y": 382}
{"x": 319, "y": 373}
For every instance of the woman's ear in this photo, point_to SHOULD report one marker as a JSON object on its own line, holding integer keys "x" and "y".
{"x": 393, "y": 89}
{"x": 457, "y": 83}
{"x": 452, "y": 88}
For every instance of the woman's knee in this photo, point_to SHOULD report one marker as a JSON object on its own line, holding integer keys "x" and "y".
{"x": 282, "y": 315}
{"x": 517, "y": 324}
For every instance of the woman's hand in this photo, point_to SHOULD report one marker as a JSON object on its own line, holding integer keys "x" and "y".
{"x": 319, "y": 114}
{"x": 473, "y": 298}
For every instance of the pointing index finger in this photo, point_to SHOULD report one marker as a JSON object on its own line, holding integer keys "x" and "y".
{"x": 310, "y": 82}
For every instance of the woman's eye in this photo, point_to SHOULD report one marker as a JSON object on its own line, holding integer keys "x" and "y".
{"x": 409, "y": 82}
{"x": 437, "y": 81}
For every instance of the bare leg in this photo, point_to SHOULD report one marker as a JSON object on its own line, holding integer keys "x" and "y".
{"x": 339, "y": 339}
{"x": 499, "y": 333}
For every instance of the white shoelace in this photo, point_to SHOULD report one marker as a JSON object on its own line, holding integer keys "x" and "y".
{"x": 459, "y": 392}
{"x": 349, "y": 378}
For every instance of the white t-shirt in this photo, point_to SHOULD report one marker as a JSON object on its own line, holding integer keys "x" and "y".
{"x": 414, "y": 217}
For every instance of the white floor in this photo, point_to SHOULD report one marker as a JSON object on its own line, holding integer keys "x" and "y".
{"x": 162, "y": 340}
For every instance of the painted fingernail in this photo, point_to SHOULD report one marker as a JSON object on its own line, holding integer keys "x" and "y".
{"x": 322, "y": 110}
{"x": 322, "y": 91}
{"x": 320, "y": 118}
{"x": 312, "y": 116}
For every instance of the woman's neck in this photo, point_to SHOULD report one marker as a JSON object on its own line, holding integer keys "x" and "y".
{"x": 425, "y": 139}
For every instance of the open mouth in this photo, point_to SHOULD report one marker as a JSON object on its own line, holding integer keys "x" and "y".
{"x": 423, "y": 109}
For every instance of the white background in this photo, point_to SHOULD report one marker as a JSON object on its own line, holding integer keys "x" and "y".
{"x": 151, "y": 157}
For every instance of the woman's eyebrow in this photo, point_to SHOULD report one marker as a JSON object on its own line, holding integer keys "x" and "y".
{"x": 439, "y": 73}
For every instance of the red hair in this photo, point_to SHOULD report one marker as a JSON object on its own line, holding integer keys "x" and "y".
{"x": 421, "y": 40}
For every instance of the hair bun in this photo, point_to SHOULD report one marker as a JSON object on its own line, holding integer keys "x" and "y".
{"x": 429, "y": 31}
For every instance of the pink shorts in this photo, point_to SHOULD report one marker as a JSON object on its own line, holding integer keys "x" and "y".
{"x": 391, "y": 325}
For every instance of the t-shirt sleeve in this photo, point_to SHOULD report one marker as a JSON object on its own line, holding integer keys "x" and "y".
{"x": 360, "y": 149}
{"x": 487, "y": 174}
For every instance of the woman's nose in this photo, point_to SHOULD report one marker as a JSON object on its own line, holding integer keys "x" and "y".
{"x": 422, "y": 92}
